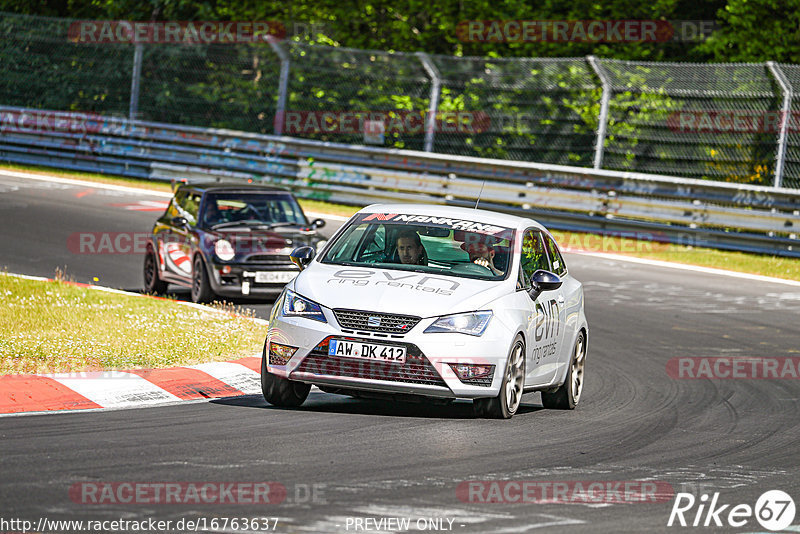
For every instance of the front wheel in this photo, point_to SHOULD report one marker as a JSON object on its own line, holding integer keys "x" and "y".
{"x": 280, "y": 391}
{"x": 506, "y": 403}
{"x": 152, "y": 282}
{"x": 201, "y": 288}
{"x": 566, "y": 397}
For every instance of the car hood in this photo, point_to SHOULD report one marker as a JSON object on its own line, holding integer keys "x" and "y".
{"x": 263, "y": 241}
{"x": 395, "y": 291}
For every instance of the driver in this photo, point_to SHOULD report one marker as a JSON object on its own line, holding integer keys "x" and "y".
{"x": 410, "y": 249}
{"x": 213, "y": 214}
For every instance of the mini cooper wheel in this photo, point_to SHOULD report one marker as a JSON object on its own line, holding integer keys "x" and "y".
{"x": 201, "y": 289}
{"x": 280, "y": 391}
{"x": 152, "y": 283}
{"x": 506, "y": 403}
{"x": 566, "y": 397}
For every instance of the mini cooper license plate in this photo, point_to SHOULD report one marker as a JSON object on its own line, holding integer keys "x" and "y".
{"x": 275, "y": 277}
{"x": 366, "y": 351}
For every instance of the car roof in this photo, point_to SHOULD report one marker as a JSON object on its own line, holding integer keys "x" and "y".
{"x": 233, "y": 186}
{"x": 470, "y": 214}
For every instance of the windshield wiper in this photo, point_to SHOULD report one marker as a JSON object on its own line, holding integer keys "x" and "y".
{"x": 279, "y": 224}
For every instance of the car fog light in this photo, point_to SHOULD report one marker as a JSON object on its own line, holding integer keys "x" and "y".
{"x": 280, "y": 354}
{"x": 465, "y": 371}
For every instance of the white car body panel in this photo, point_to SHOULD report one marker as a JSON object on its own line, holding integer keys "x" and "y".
{"x": 549, "y": 338}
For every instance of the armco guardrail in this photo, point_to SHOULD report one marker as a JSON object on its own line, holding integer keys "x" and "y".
{"x": 663, "y": 208}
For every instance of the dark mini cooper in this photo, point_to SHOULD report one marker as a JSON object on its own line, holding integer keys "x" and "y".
{"x": 231, "y": 240}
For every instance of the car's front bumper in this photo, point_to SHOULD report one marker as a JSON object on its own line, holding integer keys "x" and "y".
{"x": 245, "y": 279}
{"x": 426, "y": 371}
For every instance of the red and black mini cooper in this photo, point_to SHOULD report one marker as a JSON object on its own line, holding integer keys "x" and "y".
{"x": 231, "y": 240}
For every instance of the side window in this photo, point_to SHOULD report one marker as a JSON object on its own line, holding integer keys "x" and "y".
{"x": 174, "y": 210}
{"x": 559, "y": 267}
{"x": 533, "y": 256}
{"x": 188, "y": 205}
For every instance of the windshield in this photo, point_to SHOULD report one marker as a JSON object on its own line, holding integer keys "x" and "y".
{"x": 421, "y": 243}
{"x": 235, "y": 209}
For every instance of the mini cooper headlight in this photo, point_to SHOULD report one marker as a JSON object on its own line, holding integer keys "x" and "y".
{"x": 224, "y": 250}
{"x": 472, "y": 323}
{"x": 296, "y": 306}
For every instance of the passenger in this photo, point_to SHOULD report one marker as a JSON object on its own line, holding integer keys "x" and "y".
{"x": 410, "y": 249}
{"x": 482, "y": 254}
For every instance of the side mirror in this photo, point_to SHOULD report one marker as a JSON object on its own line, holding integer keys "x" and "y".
{"x": 542, "y": 280}
{"x": 180, "y": 221}
{"x": 302, "y": 256}
{"x": 318, "y": 223}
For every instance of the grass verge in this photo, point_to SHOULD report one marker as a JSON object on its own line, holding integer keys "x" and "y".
{"x": 719, "y": 259}
{"x": 50, "y": 327}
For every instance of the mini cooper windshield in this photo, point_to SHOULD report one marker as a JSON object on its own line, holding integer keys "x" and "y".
{"x": 251, "y": 209}
{"x": 422, "y": 243}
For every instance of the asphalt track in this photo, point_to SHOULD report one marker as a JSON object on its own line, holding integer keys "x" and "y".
{"x": 371, "y": 459}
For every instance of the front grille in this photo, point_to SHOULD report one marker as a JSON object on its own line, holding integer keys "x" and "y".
{"x": 416, "y": 369}
{"x": 269, "y": 259}
{"x": 375, "y": 322}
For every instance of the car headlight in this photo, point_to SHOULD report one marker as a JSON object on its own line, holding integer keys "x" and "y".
{"x": 296, "y": 306}
{"x": 224, "y": 250}
{"x": 472, "y": 323}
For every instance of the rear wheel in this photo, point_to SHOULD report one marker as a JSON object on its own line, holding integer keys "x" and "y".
{"x": 152, "y": 283}
{"x": 280, "y": 391}
{"x": 201, "y": 289}
{"x": 566, "y": 397}
{"x": 506, "y": 403}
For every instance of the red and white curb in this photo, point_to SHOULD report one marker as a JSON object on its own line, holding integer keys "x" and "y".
{"x": 131, "y": 388}
{"x": 128, "y": 389}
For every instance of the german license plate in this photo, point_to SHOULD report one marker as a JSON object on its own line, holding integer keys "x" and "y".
{"x": 281, "y": 277}
{"x": 366, "y": 351}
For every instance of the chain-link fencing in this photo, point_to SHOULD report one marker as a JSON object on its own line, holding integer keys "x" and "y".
{"x": 726, "y": 122}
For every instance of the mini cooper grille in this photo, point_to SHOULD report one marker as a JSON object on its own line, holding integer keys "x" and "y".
{"x": 416, "y": 370}
{"x": 376, "y": 322}
{"x": 271, "y": 259}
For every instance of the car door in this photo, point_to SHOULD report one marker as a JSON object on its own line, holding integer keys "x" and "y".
{"x": 571, "y": 295}
{"x": 545, "y": 332}
{"x": 177, "y": 242}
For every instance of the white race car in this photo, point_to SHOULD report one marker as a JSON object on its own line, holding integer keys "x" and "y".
{"x": 430, "y": 302}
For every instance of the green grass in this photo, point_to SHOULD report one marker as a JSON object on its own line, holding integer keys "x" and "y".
{"x": 48, "y": 327}
{"x": 719, "y": 259}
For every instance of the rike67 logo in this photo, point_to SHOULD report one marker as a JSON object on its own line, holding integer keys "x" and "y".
{"x": 774, "y": 510}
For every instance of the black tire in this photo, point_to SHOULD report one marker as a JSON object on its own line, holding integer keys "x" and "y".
{"x": 506, "y": 403}
{"x": 280, "y": 391}
{"x": 201, "y": 288}
{"x": 567, "y": 396}
{"x": 152, "y": 283}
